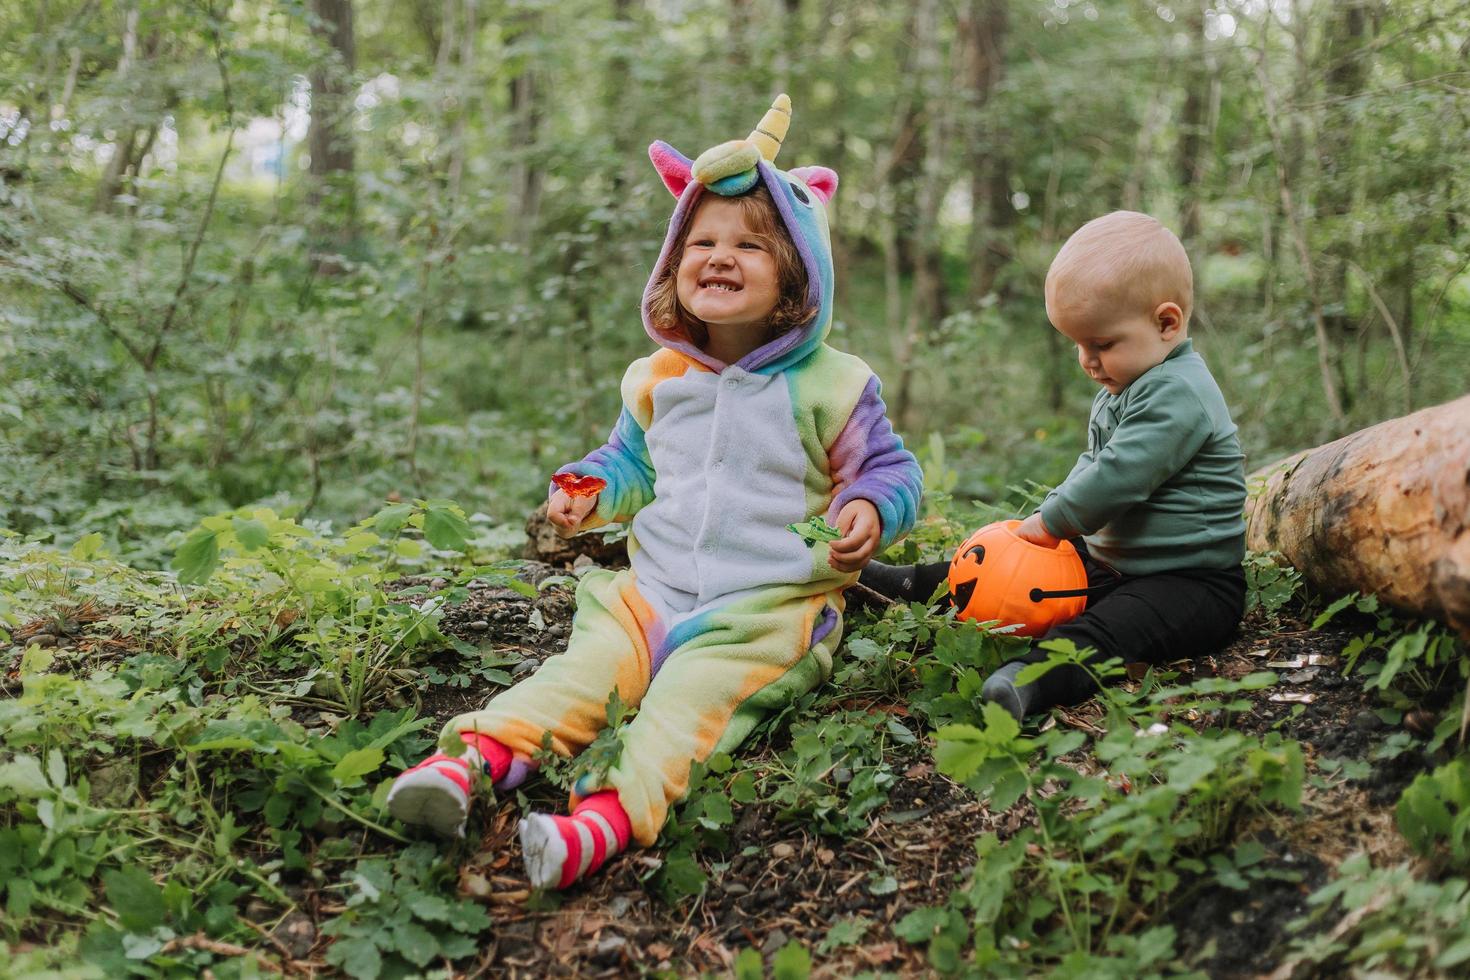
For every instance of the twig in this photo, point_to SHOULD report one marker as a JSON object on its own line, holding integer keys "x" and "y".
{"x": 203, "y": 942}
{"x": 1393, "y": 329}
{"x": 219, "y": 173}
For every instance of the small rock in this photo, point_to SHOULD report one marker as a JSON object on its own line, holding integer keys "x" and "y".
{"x": 619, "y": 906}
{"x": 1420, "y": 722}
{"x": 774, "y": 941}
{"x": 298, "y": 933}
{"x": 783, "y": 851}
{"x": 480, "y": 624}
{"x": 435, "y": 584}
{"x": 735, "y": 888}
{"x": 41, "y": 640}
{"x": 610, "y": 947}
{"x": 582, "y": 561}
{"x": 1367, "y": 721}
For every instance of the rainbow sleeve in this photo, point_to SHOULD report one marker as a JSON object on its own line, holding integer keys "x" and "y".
{"x": 868, "y": 462}
{"x": 623, "y": 462}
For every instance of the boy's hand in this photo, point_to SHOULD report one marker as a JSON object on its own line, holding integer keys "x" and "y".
{"x": 861, "y": 529}
{"x": 1033, "y": 529}
{"x": 567, "y": 513}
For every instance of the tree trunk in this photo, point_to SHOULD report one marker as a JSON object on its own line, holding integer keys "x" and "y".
{"x": 333, "y": 194}
{"x": 1345, "y": 34}
{"x": 1190, "y": 158}
{"x": 1385, "y": 510}
{"x": 982, "y": 33}
{"x": 525, "y": 109}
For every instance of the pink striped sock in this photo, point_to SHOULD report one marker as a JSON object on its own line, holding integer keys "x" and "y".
{"x": 560, "y": 850}
{"x": 493, "y": 756}
{"x": 437, "y": 792}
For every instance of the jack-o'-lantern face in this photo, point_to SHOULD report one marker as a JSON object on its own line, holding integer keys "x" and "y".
{"x": 997, "y": 576}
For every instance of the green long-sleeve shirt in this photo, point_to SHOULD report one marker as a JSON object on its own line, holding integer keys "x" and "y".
{"x": 1162, "y": 483}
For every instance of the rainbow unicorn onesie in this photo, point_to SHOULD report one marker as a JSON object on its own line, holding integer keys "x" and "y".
{"x": 725, "y": 614}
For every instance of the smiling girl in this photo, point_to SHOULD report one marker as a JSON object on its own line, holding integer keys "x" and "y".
{"x": 742, "y": 423}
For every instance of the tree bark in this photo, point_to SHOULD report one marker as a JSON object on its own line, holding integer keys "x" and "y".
{"x": 329, "y": 137}
{"x": 1190, "y": 158}
{"x": 1385, "y": 510}
{"x": 981, "y": 30}
{"x": 1344, "y": 43}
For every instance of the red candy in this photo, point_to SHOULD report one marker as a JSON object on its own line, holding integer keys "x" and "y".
{"x": 579, "y": 486}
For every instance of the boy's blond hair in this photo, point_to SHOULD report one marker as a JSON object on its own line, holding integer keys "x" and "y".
{"x": 1125, "y": 259}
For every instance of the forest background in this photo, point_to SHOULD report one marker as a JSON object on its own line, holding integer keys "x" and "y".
{"x": 302, "y": 302}
{"x": 314, "y": 254}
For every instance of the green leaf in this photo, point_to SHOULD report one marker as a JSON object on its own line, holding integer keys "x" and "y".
{"x": 445, "y": 529}
{"x": 252, "y": 534}
{"x": 815, "y": 530}
{"x": 135, "y": 897}
{"x": 845, "y": 932}
{"x": 431, "y": 908}
{"x": 1333, "y": 610}
{"x": 793, "y": 962}
{"x": 716, "y": 811}
{"x": 197, "y": 559}
{"x": 87, "y": 546}
{"x": 356, "y": 764}
{"x": 919, "y": 925}
{"x": 390, "y": 519}
{"x": 748, "y": 965}
{"x": 416, "y": 943}
{"x": 358, "y": 957}
{"x": 886, "y": 885}
{"x": 23, "y": 776}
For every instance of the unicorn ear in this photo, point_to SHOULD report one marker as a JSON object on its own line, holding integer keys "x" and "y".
{"x": 822, "y": 180}
{"x": 671, "y": 165}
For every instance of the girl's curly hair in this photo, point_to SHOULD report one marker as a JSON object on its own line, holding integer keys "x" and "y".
{"x": 791, "y": 310}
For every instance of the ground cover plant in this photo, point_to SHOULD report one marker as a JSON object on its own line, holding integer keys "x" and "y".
{"x": 194, "y": 763}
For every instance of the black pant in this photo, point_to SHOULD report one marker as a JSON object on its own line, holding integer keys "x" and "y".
{"x": 1149, "y": 619}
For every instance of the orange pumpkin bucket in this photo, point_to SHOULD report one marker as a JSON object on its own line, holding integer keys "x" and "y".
{"x": 996, "y": 575}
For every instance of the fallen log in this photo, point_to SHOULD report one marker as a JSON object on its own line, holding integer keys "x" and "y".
{"x": 1385, "y": 510}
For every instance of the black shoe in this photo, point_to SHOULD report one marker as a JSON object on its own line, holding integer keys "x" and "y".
{"x": 893, "y": 581}
{"x": 1001, "y": 687}
{"x": 905, "y": 583}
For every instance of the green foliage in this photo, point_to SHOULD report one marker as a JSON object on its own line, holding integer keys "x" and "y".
{"x": 1109, "y": 847}
{"x": 1270, "y": 583}
{"x": 593, "y": 763}
{"x": 1434, "y": 812}
{"x": 397, "y": 917}
{"x": 1386, "y": 920}
{"x": 699, "y": 823}
{"x": 1405, "y": 662}
{"x": 836, "y": 772}
{"x": 146, "y": 795}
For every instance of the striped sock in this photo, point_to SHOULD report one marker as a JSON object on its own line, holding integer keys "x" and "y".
{"x": 437, "y": 791}
{"x": 560, "y": 850}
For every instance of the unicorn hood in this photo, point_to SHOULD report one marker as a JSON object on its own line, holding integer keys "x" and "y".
{"x": 801, "y": 195}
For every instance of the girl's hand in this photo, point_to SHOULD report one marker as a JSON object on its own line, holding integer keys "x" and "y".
{"x": 567, "y": 513}
{"x": 1033, "y": 529}
{"x": 858, "y": 521}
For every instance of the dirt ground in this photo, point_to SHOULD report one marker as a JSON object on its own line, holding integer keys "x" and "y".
{"x": 780, "y": 881}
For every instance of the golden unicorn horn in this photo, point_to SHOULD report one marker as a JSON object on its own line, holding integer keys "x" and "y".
{"x": 768, "y": 135}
